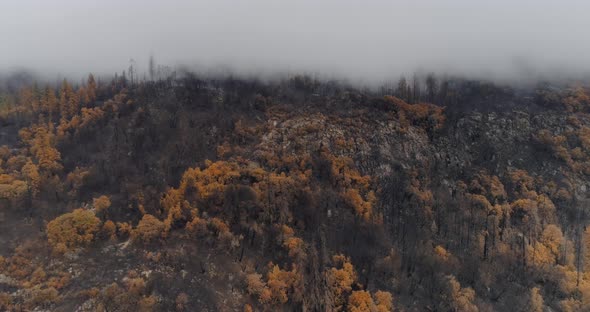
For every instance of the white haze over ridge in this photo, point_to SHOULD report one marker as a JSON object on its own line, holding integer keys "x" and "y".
{"x": 368, "y": 40}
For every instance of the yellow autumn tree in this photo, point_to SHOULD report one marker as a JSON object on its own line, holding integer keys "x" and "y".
{"x": 109, "y": 230}
{"x": 64, "y": 92}
{"x": 74, "y": 229}
{"x": 101, "y": 203}
{"x": 51, "y": 102}
{"x": 257, "y": 287}
{"x": 360, "y": 301}
{"x": 461, "y": 299}
{"x": 340, "y": 279}
{"x": 383, "y": 301}
{"x": 535, "y": 301}
{"x": 552, "y": 238}
{"x": 31, "y": 173}
{"x": 293, "y": 244}
{"x": 91, "y": 87}
{"x": 363, "y": 208}
{"x": 12, "y": 189}
{"x": 281, "y": 283}
{"x": 148, "y": 229}
{"x": 42, "y": 147}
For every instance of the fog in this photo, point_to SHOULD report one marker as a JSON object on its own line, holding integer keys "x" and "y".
{"x": 364, "y": 40}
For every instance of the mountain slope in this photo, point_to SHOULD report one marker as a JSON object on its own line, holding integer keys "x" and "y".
{"x": 227, "y": 194}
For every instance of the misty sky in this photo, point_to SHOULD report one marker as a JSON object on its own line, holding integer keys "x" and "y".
{"x": 357, "y": 39}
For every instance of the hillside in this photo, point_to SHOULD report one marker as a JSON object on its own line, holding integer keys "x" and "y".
{"x": 196, "y": 193}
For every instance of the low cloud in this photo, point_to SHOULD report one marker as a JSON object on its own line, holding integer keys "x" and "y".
{"x": 359, "y": 40}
